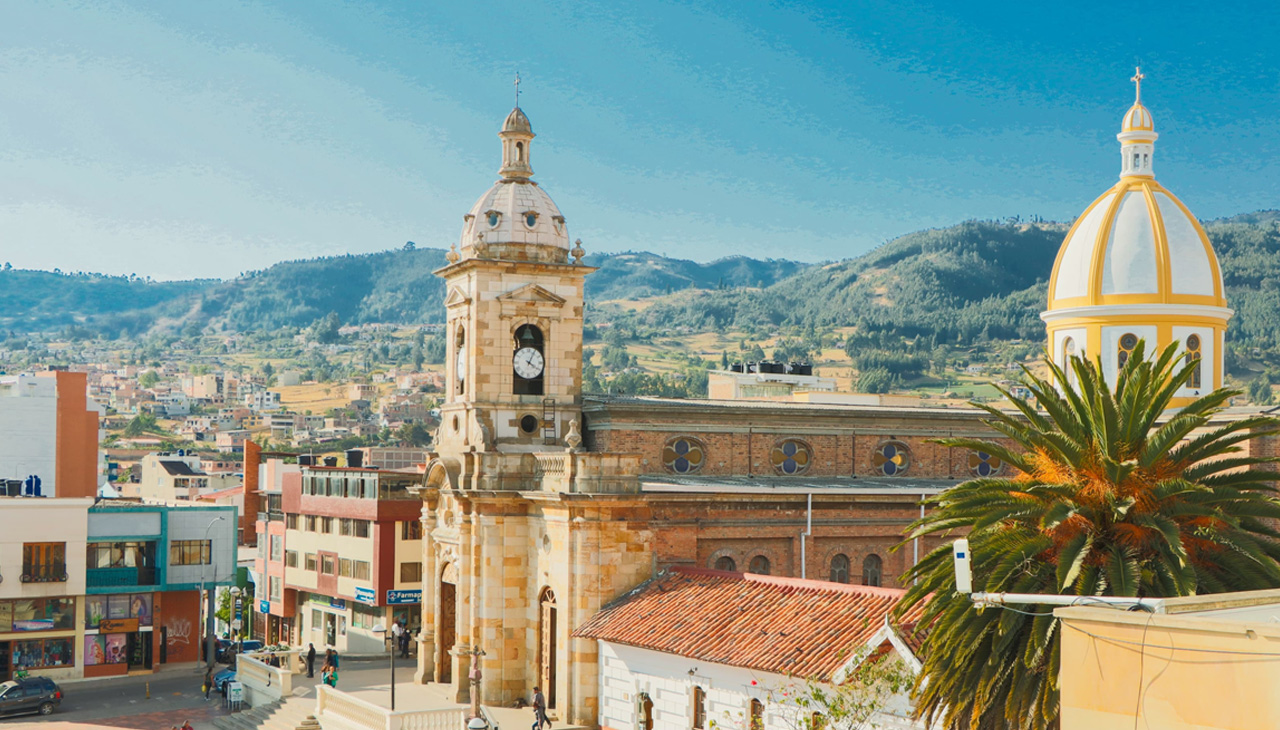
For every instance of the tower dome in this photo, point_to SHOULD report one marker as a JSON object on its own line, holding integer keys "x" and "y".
{"x": 1137, "y": 265}
{"x": 515, "y": 220}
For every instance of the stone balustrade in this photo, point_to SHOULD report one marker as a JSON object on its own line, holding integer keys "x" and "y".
{"x": 262, "y": 682}
{"x": 337, "y": 710}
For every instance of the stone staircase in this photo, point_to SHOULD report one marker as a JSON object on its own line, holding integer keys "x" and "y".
{"x": 291, "y": 713}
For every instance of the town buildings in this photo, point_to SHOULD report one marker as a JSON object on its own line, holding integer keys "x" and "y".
{"x": 114, "y": 589}
{"x": 48, "y": 435}
{"x": 339, "y": 551}
{"x": 181, "y": 477}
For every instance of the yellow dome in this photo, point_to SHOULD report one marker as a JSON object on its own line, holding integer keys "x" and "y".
{"x": 1137, "y": 119}
{"x": 1136, "y": 244}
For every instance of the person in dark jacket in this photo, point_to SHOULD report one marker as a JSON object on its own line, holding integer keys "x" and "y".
{"x": 311, "y": 660}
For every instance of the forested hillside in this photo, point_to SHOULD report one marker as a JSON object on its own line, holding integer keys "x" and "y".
{"x": 973, "y": 282}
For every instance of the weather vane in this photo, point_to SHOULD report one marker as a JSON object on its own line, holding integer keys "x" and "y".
{"x": 1137, "y": 84}
{"x": 517, "y": 88}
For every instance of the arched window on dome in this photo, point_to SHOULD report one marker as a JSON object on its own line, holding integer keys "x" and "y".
{"x": 519, "y": 151}
{"x": 724, "y": 562}
{"x": 1068, "y": 352}
{"x": 1128, "y": 341}
{"x": 1135, "y": 160}
{"x": 1193, "y": 356}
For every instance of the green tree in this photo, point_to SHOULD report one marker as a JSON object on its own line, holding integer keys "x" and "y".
{"x": 140, "y": 424}
{"x": 325, "y": 329}
{"x": 413, "y": 434}
{"x": 1106, "y": 498}
{"x": 148, "y": 379}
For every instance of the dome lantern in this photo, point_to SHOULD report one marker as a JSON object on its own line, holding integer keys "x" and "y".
{"x": 1137, "y": 135}
{"x": 516, "y": 135}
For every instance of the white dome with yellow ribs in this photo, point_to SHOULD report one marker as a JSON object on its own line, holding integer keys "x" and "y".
{"x": 1137, "y": 243}
{"x": 1137, "y": 266}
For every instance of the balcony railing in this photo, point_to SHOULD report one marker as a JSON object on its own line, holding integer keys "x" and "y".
{"x": 44, "y": 573}
{"x": 119, "y": 577}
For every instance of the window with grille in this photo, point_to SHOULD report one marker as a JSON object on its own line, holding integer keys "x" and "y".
{"x": 44, "y": 562}
{"x": 291, "y": 522}
{"x": 310, "y": 563}
{"x": 311, "y": 523}
{"x": 362, "y": 570}
{"x": 291, "y": 558}
{"x": 361, "y": 528}
{"x": 344, "y": 567}
{"x": 327, "y": 565}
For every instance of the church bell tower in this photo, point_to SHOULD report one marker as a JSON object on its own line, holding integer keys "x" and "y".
{"x": 514, "y": 301}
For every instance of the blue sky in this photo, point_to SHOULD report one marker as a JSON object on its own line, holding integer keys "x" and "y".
{"x": 204, "y": 139}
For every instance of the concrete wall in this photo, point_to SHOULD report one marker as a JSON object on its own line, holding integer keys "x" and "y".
{"x": 1174, "y": 672}
{"x": 24, "y": 520}
{"x": 190, "y": 524}
{"x": 28, "y": 430}
{"x": 130, "y": 523}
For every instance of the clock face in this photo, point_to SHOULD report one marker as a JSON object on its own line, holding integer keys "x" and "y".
{"x": 461, "y": 366}
{"x": 528, "y": 363}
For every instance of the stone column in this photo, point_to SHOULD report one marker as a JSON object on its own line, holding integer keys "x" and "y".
{"x": 426, "y": 671}
{"x": 466, "y": 608}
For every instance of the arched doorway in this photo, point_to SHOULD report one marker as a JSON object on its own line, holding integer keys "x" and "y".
{"x": 547, "y": 645}
{"x": 448, "y": 621}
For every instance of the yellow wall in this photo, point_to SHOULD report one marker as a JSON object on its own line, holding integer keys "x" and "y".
{"x": 1176, "y": 672}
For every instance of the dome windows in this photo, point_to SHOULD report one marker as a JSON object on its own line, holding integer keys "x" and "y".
{"x": 530, "y": 218}
{"x": 1193, "y": 355}
{"x": 1128, "y": 341}
{"x": 494, "y": 218}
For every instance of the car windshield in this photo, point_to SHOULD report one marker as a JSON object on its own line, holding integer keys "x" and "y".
{"x": 5, "y": 687}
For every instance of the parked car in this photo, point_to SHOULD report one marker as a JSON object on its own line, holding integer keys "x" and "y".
{"x": 227, "y": 649}
{"x": 29, "y": 695}
{"x": 221, "y": 678}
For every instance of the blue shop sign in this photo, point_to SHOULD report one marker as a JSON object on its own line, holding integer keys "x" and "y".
{"x": 264, "y": 607}
{"x": 339, "y": 603}
{"x": 396, "y": 598}
{"x": 366, "y": 595}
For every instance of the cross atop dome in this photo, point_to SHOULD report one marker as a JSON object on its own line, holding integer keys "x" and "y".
{"x": 1137, "y": 84}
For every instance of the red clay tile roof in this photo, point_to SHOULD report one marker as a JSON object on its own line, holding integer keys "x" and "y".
{"x": 805, "y": 628}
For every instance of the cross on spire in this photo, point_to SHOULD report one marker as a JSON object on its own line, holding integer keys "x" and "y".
{"x": 517, "y": 85}
{"x": 1137, "y": 85}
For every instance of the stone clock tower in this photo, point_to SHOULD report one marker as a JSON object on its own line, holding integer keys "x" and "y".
{"x": 514, "y": 301}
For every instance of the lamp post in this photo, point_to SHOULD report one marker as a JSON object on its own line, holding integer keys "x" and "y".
{"x": 235, "y": 617}
{"x": 378, "y": 628}
{"x": 210, "y": 639}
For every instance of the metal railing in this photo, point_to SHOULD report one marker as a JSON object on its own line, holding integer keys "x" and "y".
{"x": 111, "y": 577}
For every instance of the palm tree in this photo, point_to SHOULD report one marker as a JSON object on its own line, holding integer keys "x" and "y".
{"x": 1111, "y": 493}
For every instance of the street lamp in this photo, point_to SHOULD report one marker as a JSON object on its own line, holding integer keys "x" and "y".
{"x": 475, "y": 675}
{"x": 209, "y": 645}
{"x": 235, "y": 617}
{"x": 378, "y": 628}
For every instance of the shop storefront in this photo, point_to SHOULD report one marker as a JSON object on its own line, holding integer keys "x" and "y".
{"x": 38, "y": 635}
{"x": 348, "y": 625}
{"x": 136, "y": 632}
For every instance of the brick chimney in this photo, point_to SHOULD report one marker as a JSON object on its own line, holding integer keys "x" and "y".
{"x": 252, "y": 495}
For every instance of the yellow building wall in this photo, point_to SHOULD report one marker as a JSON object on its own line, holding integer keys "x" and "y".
{"x": 1166, "y": 671}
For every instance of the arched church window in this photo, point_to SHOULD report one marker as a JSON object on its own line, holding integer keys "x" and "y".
{"x": 460, "y": 362}
{"x": 757, "y": 715}
{"x": 527, "y": 362}
{"x": 840, "y": 568}
{"x": 683, "y": 455}
{"x": 982, "y": 464}
{"x": 1193, "y": 356}
{"x": 791, "y": 457}
{"x": 724, "y": 562}
{"x": 519, "y": 151}
{"x": 1068, "y": 352}
{"x": 871, "y": 569}
{"x": 892, "y": 459}
{"x": 1128, "y": 341}
{"x": 759, "y": 565}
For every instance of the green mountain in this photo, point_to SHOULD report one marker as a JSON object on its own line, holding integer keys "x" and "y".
{"x": 389, "y": 286}
{"x": 967, "y": 283}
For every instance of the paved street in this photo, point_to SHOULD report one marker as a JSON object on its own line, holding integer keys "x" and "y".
{"x": 175, "y": 697}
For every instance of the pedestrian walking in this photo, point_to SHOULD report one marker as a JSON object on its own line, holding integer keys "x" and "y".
{"x": 539, "y": 710}
{"x": 311, "y": 660}
{"x": 208, "y": 683}
{"x": 397, "y": 631}
{"x": 334, "y": 659}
